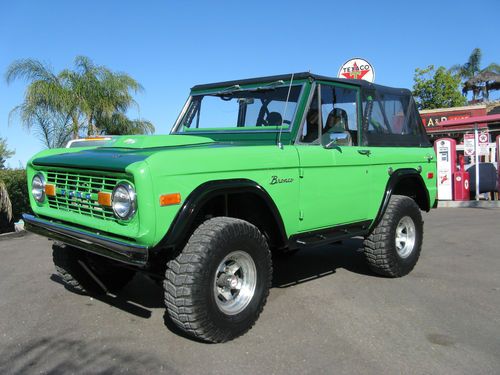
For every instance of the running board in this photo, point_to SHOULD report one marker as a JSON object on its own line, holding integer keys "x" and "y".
{"x": 329, "y": 235}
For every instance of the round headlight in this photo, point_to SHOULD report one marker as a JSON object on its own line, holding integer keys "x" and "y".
{"x": 123, "y": 201}
{"x": 38, "y": 187}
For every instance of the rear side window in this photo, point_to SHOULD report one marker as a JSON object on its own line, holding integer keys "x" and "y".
{"x": 391, "y": 120}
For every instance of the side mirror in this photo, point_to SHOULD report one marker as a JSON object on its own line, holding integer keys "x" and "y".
{"x": 336, "y": 139}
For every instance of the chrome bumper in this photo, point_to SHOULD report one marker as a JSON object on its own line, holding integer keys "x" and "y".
{"x": 94, "y": 243}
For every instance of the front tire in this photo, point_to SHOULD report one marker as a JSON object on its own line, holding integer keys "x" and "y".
{"x": 216, "y": 288}
{"x": 393, "y": 247}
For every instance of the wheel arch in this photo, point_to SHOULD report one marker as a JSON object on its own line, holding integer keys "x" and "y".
{"x": 408, "y": 182}
{"x": 239, "y": 198}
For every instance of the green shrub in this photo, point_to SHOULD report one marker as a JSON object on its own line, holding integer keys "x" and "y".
{"x": 15, "y": 182}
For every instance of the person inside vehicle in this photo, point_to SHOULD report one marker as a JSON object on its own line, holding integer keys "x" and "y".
{"x": 336, "y": 123}
{"x": 312, "y": 126}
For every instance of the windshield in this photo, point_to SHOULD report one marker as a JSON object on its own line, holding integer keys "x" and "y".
{"x": 235, "y": 109}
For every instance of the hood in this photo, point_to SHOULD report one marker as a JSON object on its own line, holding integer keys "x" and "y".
{"x": 155, "y": 141}
{"x": 118, "y": 154}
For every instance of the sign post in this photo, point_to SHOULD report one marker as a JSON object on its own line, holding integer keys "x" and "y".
{"x": 498, "y": 162}
{"x": 476, "y": 159}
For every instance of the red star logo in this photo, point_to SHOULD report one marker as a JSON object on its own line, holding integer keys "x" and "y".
{"x": 355, "y": 73}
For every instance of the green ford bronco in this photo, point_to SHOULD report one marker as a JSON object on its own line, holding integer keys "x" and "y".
{"x": 250, "y": 168}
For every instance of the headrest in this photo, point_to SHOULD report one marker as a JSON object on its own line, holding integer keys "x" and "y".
{"x": 337, "y": 120}
{"x": 274, "y": 119}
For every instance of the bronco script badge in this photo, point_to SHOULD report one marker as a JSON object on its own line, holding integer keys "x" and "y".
{"x": 275, "y": 180}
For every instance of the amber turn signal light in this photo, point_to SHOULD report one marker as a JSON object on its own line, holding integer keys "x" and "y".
{"x": 104, "y": 199}
{"x": 169, "y": 199}
{"x": 50, "y": 190}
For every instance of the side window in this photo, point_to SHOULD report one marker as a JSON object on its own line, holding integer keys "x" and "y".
{"x": 391, "y": 120}
{"x": 377, "y": 122}
{"x": 337, "y": 113}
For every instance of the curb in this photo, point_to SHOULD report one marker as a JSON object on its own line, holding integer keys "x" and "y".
{"x": 470, "y": 204}
{"x": 9, "y": 235}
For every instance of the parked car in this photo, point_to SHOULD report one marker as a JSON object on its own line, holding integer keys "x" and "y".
{"x": 90, "y": 142}
{"x": 251, "y": 167}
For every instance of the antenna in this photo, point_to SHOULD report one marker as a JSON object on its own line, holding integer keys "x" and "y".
{"x": 284, "y": 111}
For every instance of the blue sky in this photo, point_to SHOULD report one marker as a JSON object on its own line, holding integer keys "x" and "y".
{"x": 170, "y": 46}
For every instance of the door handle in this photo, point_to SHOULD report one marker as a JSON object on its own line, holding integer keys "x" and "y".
{"x": 365, "y": 152}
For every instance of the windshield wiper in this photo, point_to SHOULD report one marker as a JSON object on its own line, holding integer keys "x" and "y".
{"x": 236, "y": 88}
{"x": 227, "y": 91}
{"x": 269, "y": 87}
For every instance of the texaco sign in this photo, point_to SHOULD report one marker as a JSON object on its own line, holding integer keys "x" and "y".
{"x": 357, "y": 69}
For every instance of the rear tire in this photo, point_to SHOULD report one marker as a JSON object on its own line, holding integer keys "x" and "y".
{"x": 216, "y": 288}
{"x": 71, "y": 264}
{"x": 393, "y": 247}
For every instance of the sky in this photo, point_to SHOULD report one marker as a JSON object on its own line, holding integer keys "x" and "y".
{"x": 171, "y": 46}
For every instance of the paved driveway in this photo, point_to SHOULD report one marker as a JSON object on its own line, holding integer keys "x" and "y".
{"x": 326, "y": 314}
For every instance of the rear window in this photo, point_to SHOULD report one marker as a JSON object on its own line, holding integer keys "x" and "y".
{"x": 391, "y": 120}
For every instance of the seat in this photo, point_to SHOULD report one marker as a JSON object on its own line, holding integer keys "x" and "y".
{"x": 336, "y": 122}
{"x": 274, "y": 119}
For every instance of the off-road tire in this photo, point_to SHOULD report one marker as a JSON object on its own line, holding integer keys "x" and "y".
{"x": 189, "y": 283}
{"x": 380, "y": 245}
{"x": 67, "y": 260}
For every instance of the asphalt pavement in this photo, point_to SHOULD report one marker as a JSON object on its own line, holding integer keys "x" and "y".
{"x": 326, "y": 314}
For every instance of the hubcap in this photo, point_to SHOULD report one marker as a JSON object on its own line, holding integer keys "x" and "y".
{"x": 405, "y": 236}
{"x": 235, "y": 281}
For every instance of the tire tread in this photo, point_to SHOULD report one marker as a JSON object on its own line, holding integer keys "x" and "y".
{"x": 185, "y": 310}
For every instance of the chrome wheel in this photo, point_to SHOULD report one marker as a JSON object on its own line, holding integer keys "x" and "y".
{"x": 235, "y": 281}
{"x": 405, "y": 237}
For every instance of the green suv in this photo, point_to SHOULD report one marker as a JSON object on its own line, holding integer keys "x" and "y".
{"x": 250, "y": 168}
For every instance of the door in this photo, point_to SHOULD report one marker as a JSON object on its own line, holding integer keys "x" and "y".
{"x": 334, "y": 183}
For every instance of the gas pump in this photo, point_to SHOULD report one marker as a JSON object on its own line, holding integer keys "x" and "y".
{"x": 446, "y": 151}
{"x": 461, "y": 182}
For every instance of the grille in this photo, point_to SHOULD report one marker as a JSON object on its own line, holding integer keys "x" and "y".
{"x": 78, "y": 193}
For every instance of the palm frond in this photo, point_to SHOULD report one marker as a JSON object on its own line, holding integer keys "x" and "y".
{"x": 29, "y": 70}
{"x": 492, "y": 68}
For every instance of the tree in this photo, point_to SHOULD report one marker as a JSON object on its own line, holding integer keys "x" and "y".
{"x": 119, "y": 124}
{"x": 436, "y": 88}
{"x": 74, "y": 102}
{"x": 5, "y": 153}
{"x": 5, "y": 207}
{"x": 475, "y": 79}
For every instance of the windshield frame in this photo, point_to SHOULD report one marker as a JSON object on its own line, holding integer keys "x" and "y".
{"x": 177, "y": 128}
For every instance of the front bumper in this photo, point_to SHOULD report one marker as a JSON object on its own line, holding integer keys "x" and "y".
{"x": 95, "y": 243}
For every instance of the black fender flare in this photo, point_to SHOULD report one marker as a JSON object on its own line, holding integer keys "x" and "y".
{"x": 186, "y": 216}
{"x": 397, "y": 176}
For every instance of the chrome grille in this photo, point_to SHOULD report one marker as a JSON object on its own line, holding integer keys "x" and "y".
{"x": 78, "y": 192}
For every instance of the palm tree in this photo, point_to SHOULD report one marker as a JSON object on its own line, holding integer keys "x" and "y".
{"x": 475, "y": 79}
{"x": 76, "y": 101}
{"x": 118, "y": 124}
{"x": 99, "y": 93}
{"x": 46, "y": 101}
